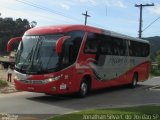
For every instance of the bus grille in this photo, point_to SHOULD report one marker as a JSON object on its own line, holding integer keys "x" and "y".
{"x": 34, "y": 81}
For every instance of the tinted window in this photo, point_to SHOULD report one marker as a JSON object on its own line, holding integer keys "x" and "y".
{"x": 71, "y": 48}
{"x": 106, "y": 45}
{"x": 92, "y": 43}
{"x": 138, "y": 49}
{"x": 113, "y": 46}
{"x": 118, "y": 46}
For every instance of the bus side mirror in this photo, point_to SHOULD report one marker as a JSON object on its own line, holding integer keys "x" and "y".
{"x": 60, "y": 42}
{"x": 11, "y": 41}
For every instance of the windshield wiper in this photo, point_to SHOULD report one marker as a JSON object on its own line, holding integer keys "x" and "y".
{"x": 28, "y": 57}
{"x": 38, "y": 55}
{"x": 31, "y": 65}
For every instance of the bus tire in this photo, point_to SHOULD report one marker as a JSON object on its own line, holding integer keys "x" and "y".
{"x": 134, "y": 81}
{"x": 84, "y": 88}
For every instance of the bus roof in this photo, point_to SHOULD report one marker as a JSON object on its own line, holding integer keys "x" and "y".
{"x": 119, "y": 35}
{"x": 61, "y": 29}
{"x": 66, "y": 28}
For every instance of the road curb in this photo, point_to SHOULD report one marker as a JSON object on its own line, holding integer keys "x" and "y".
{"x": 155, "y": 88}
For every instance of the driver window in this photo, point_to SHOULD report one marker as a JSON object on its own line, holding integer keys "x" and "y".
{"x": 71, "y": 47}
{"x": 92, "y": 43}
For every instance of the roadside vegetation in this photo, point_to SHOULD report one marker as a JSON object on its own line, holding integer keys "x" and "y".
{"x": 155, "y": 70}
{"x": 9, "y": 28}
{"x": 128, "y": 113}
{"x": 3, "y": 84}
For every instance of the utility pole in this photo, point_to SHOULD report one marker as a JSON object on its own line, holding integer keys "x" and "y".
{"x": 140, "y": 20}
{"x": 86, "y": 16}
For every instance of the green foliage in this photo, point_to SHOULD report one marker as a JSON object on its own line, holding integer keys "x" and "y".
{"x": 33, "y": 24}
{"x": 155, "y": 44}
{"x": 3, "y": 83}
{"x": 157, "y": 59}
{"x": 11, "y": 28}
{"x": 155, "y": 72}
{"x": 155, "y": 54}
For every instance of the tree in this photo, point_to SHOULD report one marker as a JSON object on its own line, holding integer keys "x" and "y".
{"x": 33, "y": 24}
{"x": 11, "y": 28}
{"x": 157, "y": 59}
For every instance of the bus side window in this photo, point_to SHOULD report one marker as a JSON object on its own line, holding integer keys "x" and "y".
{"x": 130, "y": 48}
{"x": 138, "y": 49}
{"x": 71, "y": 47}
{"x": 118, "y": 46}
{"x": 106, "y": 47}
{"x": 92, "y": 44}
{"x": 76, "y": 40}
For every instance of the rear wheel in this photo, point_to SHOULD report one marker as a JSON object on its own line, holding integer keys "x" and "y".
{"x": 134, "y": 81}
{"x": 84, "y": 88}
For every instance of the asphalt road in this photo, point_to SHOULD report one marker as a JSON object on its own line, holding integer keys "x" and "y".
{"x": 36, "y": 103}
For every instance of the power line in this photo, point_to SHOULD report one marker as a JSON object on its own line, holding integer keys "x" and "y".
{"x": 150, "y": 24}
{"x": 140, "y": 21}
{"x": 37, "y": 15}
{"x": 51, "y": 11}
{"x": 46, "y": 9}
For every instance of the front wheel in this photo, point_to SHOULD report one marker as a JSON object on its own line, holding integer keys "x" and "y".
{"x": 83, "y": 89}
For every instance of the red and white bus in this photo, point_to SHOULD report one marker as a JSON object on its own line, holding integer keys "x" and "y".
{"x": 76, "y": 58}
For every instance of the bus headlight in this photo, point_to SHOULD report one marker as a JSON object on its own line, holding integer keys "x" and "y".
{"x": 50, "y": 80}
{"x": 54, "y": 78}
{"x": 16, "y": 77}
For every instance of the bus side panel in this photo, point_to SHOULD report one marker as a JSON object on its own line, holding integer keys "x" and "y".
{"x": 143, "y": 71}
{"x": 115, "y": 82}
{"x": 126, "y": 78}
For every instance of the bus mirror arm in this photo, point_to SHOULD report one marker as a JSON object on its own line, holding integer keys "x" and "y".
{"x": 91, "y": 60}
{"x": 11, "y": 41}
{"x": 60, "y": 42}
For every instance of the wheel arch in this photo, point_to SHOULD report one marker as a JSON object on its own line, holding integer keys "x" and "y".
{"x": 88, "y": 79}
{"x": 137, "y": 75}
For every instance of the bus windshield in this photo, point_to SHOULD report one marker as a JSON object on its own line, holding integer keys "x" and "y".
{"x": 36, "y": 54}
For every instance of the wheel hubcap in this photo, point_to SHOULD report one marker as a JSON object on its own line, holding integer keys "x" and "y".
{"x": 134, "y": 82}
{"x": 84, "y": 88}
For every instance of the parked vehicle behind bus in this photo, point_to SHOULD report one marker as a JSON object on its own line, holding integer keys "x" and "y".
{"x": 76, "y": 58}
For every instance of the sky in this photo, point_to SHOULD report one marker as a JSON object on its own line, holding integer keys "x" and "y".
{"x": 116, "y": 15}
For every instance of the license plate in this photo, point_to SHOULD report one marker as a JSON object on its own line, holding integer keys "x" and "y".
{"x": 30, "y": 88}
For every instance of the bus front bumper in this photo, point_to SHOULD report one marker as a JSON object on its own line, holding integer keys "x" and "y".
{"x": 55, "y": 87}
